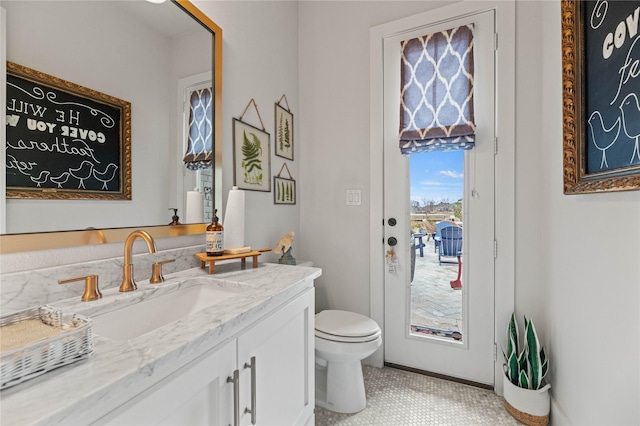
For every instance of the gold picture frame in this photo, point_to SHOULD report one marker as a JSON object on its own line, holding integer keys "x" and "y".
{"x": 585, "y": 162}
{"x": 65, "y": 141}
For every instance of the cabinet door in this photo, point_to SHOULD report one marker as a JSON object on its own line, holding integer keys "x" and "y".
{"x": 196, "y": 394}
{"x": 282, "y": 344}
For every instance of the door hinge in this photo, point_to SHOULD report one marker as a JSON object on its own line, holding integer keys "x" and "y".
{"x": 495, "y": 249}
{"x": 495, "y": 41}
{"x": 495, "y": 146}
{"x": 495, "y": 351}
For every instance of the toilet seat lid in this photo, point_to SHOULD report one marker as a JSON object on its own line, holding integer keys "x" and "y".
{"x": 344, "y": 339}
{"x": 345, "y": 324}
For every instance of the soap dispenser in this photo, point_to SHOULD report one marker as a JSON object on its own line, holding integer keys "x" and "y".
{"x": 175, "y": 219}
{"x": 215, "y": 237}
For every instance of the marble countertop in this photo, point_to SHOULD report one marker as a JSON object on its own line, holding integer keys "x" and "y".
{"x": 84, "y": 391}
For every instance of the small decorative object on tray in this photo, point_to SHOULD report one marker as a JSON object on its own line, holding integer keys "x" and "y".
{"x": 39, "y": 339}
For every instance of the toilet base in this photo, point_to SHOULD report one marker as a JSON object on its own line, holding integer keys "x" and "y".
{"x": 340, "y": 387}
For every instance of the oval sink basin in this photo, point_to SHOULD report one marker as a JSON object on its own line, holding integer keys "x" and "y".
{"x": 147, "y": 315}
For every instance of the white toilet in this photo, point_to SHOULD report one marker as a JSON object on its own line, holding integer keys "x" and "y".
{"x": 342, "y": 340}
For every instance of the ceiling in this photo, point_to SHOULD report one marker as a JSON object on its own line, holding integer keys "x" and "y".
{"x": 161, "y": 17}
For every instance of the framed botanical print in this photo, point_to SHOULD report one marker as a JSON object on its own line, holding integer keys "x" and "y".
{"x": 284, "y": 190}
{"x": 284, "y": 132}
{"x": 251, "y": 157}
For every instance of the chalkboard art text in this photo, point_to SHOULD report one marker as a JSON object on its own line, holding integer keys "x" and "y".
{"x": 64, "y": 140}
{"x": 612, "y": 47}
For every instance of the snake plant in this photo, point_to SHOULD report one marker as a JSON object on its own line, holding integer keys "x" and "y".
{"x": 527, "y": 367}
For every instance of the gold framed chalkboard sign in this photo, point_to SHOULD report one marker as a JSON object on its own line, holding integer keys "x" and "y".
{"x": 65, "y": 141}
{"x": 601, "y": 96}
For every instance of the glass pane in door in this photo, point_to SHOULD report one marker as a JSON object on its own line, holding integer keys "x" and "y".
{"x": 436, "y": 196}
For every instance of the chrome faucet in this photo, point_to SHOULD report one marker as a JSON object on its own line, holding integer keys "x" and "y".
{"x": 128, "y": 284}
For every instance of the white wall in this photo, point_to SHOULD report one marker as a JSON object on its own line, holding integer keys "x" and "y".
{"x": 590, "y": 259}
{"x": 334, "y": 96}
{"x": 260, "y": 61}
{"x": 529, "y": 247}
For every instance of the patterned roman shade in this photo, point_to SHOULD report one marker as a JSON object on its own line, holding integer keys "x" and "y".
{"x": 199, "y": 149}
{"x": 436, "y": 105}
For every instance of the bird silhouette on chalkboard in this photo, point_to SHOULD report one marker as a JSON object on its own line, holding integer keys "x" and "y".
{"x": 62, "y": 179}
{"x": 42, "y": 178}
{"x": 603, "y": 138}
{"x": 631, "y": 121}
{"x": 106, "y": 176}
{"x": 81, "y": 173}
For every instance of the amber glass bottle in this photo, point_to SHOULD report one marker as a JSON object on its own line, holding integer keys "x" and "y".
{"x": 215, "y": 237}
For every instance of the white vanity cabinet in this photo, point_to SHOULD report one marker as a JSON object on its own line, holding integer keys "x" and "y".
{"x": 263, "y": 376}
{"x": 196, "y": 394}
{"x": 276, "y": 360}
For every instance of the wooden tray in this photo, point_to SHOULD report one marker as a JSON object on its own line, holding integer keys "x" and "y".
{"x": 204, "y": 259}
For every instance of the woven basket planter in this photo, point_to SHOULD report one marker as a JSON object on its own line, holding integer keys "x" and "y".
{"x": 530, "y": 407}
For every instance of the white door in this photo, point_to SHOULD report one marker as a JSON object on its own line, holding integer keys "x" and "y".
{"x": 471, "y": 355}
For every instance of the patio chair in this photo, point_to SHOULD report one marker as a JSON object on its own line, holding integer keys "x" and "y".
{"x": 450, "y": 244}
{"x": 437, "y": 237}
{"x": 419, "y": 243}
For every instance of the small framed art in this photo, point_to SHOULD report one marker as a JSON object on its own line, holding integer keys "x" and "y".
{"x": 284, "y": 190}
{"x": 251, "y": 157}
{"x": 284, "y": 132}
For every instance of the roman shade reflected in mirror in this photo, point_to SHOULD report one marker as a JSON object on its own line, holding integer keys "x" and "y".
{"x": 200, "y": 132}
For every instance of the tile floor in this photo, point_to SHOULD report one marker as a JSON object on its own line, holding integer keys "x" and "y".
{"x": 401, "y": 398}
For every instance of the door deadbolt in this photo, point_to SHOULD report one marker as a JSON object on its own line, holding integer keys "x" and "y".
{"x": 392, "y": 241}
{"x": 392, "y": 221}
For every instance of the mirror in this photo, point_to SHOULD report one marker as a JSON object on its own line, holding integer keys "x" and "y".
{"x": 144, "y": 63}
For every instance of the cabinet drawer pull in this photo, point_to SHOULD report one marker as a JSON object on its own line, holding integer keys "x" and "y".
{"x": 236, "y": 396}
{"x": 252, "y": 366}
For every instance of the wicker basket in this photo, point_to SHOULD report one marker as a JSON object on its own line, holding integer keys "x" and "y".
{"x": 44, "y": 339}
{"x": 525, "y": 418}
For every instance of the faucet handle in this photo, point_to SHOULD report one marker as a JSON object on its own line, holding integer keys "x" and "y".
{"x": 91, "y": 290}
{"x": 156, "y": 274}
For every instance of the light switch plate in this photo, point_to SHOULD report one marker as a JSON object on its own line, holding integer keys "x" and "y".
{"x": 354, "y": 197}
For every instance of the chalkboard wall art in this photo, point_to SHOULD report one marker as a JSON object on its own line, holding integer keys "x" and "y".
{"x": 65, "y": 141}
{"x": 601, "y": 95}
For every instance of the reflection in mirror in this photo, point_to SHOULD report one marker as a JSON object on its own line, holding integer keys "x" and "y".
{"x": 136, "y": 51}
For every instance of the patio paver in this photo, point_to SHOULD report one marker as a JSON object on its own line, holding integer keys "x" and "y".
{"x": 434, "y": 303}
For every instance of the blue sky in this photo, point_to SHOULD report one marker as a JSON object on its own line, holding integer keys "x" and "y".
{"x": 437, "y": 176}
